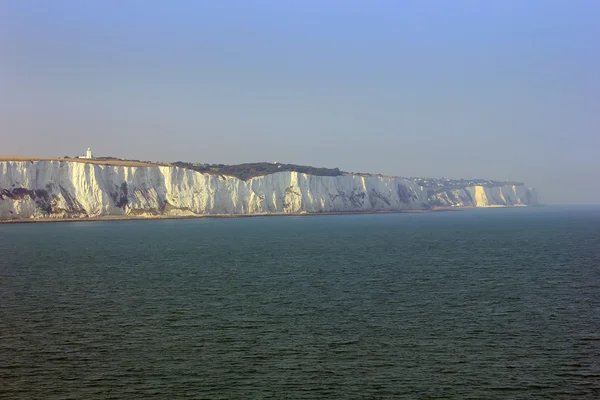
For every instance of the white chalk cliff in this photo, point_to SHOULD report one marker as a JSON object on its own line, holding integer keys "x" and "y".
{"x": 65, "y": 189}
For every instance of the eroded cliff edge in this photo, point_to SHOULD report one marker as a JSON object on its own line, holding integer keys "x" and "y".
{"x": 65, "y": 189}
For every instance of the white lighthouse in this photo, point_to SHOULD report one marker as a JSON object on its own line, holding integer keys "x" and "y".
{"x": 88, "y": 154}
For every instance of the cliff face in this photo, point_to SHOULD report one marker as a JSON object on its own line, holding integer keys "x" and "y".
{"x": 63, "y": 189}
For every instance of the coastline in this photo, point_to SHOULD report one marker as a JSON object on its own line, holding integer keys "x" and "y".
{"x": 175, "y": 217}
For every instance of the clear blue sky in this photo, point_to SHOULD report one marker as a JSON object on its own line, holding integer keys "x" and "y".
{"x": 491, "y": 89}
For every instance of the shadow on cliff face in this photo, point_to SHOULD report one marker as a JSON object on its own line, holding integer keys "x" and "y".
{"x": 375, "y": 197}
{"x": 73, "y": 206}
{"x": 41, "y": 197}
{"x": 120, "y": 195}
{"x": 405, "y": 195}
{"x": 44, "y": 201}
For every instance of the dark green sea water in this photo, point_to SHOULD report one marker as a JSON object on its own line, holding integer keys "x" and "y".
{"x": 475, "y": 304}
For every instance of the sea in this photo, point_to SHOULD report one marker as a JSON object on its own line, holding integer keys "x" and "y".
{"x": 473, "y": 304}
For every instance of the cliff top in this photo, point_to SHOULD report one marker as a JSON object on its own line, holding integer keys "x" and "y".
{"x": 100, "y": 161}
{"x": 250, "y": 170}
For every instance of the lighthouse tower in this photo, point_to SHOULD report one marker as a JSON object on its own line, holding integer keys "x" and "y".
{"x": 88, "y": 154}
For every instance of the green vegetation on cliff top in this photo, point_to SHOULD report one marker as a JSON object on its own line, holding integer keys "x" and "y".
{"x": 251, "y": 170}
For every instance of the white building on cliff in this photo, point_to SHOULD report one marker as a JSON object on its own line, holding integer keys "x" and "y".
{"x": 88, "y": 154}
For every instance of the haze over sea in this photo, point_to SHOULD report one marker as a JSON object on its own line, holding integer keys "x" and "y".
{"x": 501, "y": 303}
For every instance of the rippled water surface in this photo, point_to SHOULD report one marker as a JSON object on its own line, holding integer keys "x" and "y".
{"x": 472, "y": 304}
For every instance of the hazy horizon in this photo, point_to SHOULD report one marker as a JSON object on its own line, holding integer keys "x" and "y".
{"x": 498, "y": 90}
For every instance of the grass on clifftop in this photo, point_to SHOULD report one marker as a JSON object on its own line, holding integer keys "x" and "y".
{"x": 99, "y": 161}
{"x": 251, "y": 170}
{"x": 241, "y": 171}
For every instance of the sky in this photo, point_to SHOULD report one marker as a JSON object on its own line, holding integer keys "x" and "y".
{"x": 506, "y": 89}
